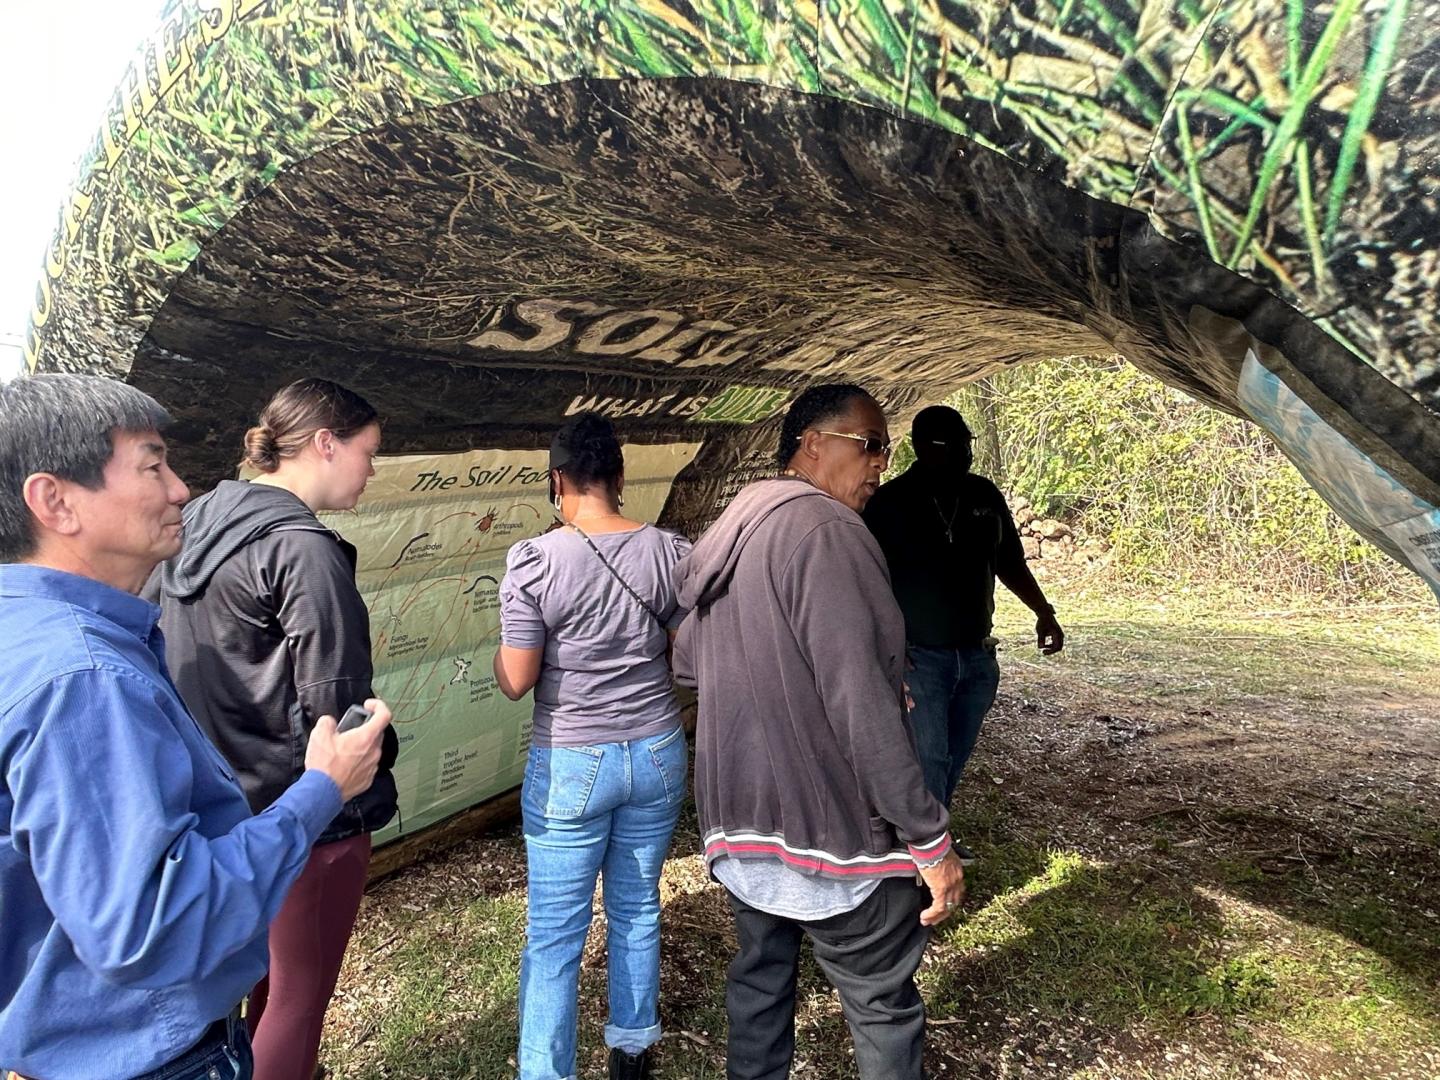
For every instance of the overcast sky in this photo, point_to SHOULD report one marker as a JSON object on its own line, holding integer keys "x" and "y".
{"x": 59, "y": 62}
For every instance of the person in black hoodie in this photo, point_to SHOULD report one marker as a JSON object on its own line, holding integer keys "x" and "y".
{"x": 266, "y": 632}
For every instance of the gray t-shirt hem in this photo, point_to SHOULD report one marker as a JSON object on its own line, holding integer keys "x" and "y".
{"x": 629, "y": 734}
{"x": 772, "y": 887}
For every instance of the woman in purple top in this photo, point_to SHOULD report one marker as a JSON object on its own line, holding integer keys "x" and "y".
{"x": 587, "y": 614}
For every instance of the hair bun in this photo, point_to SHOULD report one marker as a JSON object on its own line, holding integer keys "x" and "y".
{"x": 594, "y": 449}
{"x": 261, "y": 450}
{"x": 291, "y": 418}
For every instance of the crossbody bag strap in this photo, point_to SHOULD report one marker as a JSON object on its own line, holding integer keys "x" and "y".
{"x": 616, "y": 575}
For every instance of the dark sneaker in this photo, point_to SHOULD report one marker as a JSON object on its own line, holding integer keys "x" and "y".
{"x": 967, "y": 857}
{"x": 625, "y": 1066}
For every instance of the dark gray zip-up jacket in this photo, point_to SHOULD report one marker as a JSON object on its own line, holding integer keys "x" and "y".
{"x": 802, "y": 750}
{"x": 265, "y": 633}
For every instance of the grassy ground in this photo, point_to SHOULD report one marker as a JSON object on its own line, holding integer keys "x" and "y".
{"x": 1210, "y": 841}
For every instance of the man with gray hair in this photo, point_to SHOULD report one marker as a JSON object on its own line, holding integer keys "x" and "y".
{"x": 135, "y": 886}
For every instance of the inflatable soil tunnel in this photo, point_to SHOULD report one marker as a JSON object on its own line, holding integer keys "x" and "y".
{"x": 485, "y": 216}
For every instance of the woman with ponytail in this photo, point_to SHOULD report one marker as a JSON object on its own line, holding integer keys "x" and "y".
{"x": 587, "y": 613}
{"x": 266, "y": 633}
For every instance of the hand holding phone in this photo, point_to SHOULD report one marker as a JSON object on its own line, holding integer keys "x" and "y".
{"x": 352, "y": 758}
{"x": 355, "y": 716}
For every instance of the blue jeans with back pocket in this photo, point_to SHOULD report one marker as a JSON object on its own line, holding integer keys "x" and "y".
{"x": 608, "y": 810}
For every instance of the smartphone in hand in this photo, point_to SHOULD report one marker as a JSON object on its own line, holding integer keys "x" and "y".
{"x": 354, "y": 717}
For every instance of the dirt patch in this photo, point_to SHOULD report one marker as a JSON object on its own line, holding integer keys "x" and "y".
{"x": 1187, "y": 870}
{"x": 1323, "y": 811}
{"x": 1274, "y": 762}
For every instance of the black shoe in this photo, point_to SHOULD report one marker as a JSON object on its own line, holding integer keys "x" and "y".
{"x": 967, "y": 857}
{"x": 625, "y": 1066}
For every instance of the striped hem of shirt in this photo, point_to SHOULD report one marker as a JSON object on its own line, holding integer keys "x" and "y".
{"x": 720, "y": 844}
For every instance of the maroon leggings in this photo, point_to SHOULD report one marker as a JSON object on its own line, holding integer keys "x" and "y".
{"x": 307, "y": 944}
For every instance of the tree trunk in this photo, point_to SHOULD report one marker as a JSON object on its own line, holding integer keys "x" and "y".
{"x": 989, "y": 459}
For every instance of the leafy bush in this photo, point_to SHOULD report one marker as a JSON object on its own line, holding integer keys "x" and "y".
{"x": 1180, "y": 490}
{"x": 1239, "y": 985}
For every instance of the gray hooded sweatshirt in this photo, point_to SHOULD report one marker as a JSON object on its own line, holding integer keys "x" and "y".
{"x": 797, "y": 648}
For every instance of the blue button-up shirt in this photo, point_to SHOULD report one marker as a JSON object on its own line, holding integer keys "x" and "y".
{"x": 135, "y": 886}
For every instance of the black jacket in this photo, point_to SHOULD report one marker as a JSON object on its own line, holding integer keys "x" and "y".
{"x": 265, "y": 633}
{"x": 802, "y": 750}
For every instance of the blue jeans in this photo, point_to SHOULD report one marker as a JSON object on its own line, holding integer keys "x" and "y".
{"x": 952, "y": 689}
{"x": 607, "y": 809}
{"x": 228, "y": 1058}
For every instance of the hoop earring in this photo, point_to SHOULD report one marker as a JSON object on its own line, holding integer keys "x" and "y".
{"x": 619, "y": 500}
{"x": 556, "y": 502}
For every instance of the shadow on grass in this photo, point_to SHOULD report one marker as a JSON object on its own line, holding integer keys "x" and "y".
{"x": 1236, "y": 926}
{"x": 1315, "y": 798}
{"x": 1147, "y": 880}
{"x": 1049, "y": 937}
{"x": 1057, "y": 958}
{"x": 1053, "y": 944}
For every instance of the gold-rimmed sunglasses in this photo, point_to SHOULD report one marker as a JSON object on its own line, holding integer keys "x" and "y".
{"x": 874, "y": 446}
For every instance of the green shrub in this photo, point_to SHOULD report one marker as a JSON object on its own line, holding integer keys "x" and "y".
{"x": 1239, "y": 985}
{"x": 1180, "y": 490}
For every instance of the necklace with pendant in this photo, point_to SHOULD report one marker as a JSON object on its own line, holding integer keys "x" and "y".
{"x": 949, "y": 522}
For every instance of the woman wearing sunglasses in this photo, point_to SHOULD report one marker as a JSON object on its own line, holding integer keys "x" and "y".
{"x": 587, "y": 614}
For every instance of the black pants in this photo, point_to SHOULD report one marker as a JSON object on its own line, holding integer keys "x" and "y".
{"x": 870, "y": 956}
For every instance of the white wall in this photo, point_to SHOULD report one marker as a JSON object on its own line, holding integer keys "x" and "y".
{"x": 12, "y": 357}
{"x": 59, "y": 63}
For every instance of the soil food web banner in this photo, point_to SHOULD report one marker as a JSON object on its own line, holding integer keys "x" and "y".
{"x": 485, "y": 216}
{"x": 432, "y": 533}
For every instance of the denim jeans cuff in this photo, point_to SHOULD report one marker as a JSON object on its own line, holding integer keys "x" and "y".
{"x": 631, "y": 1040}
